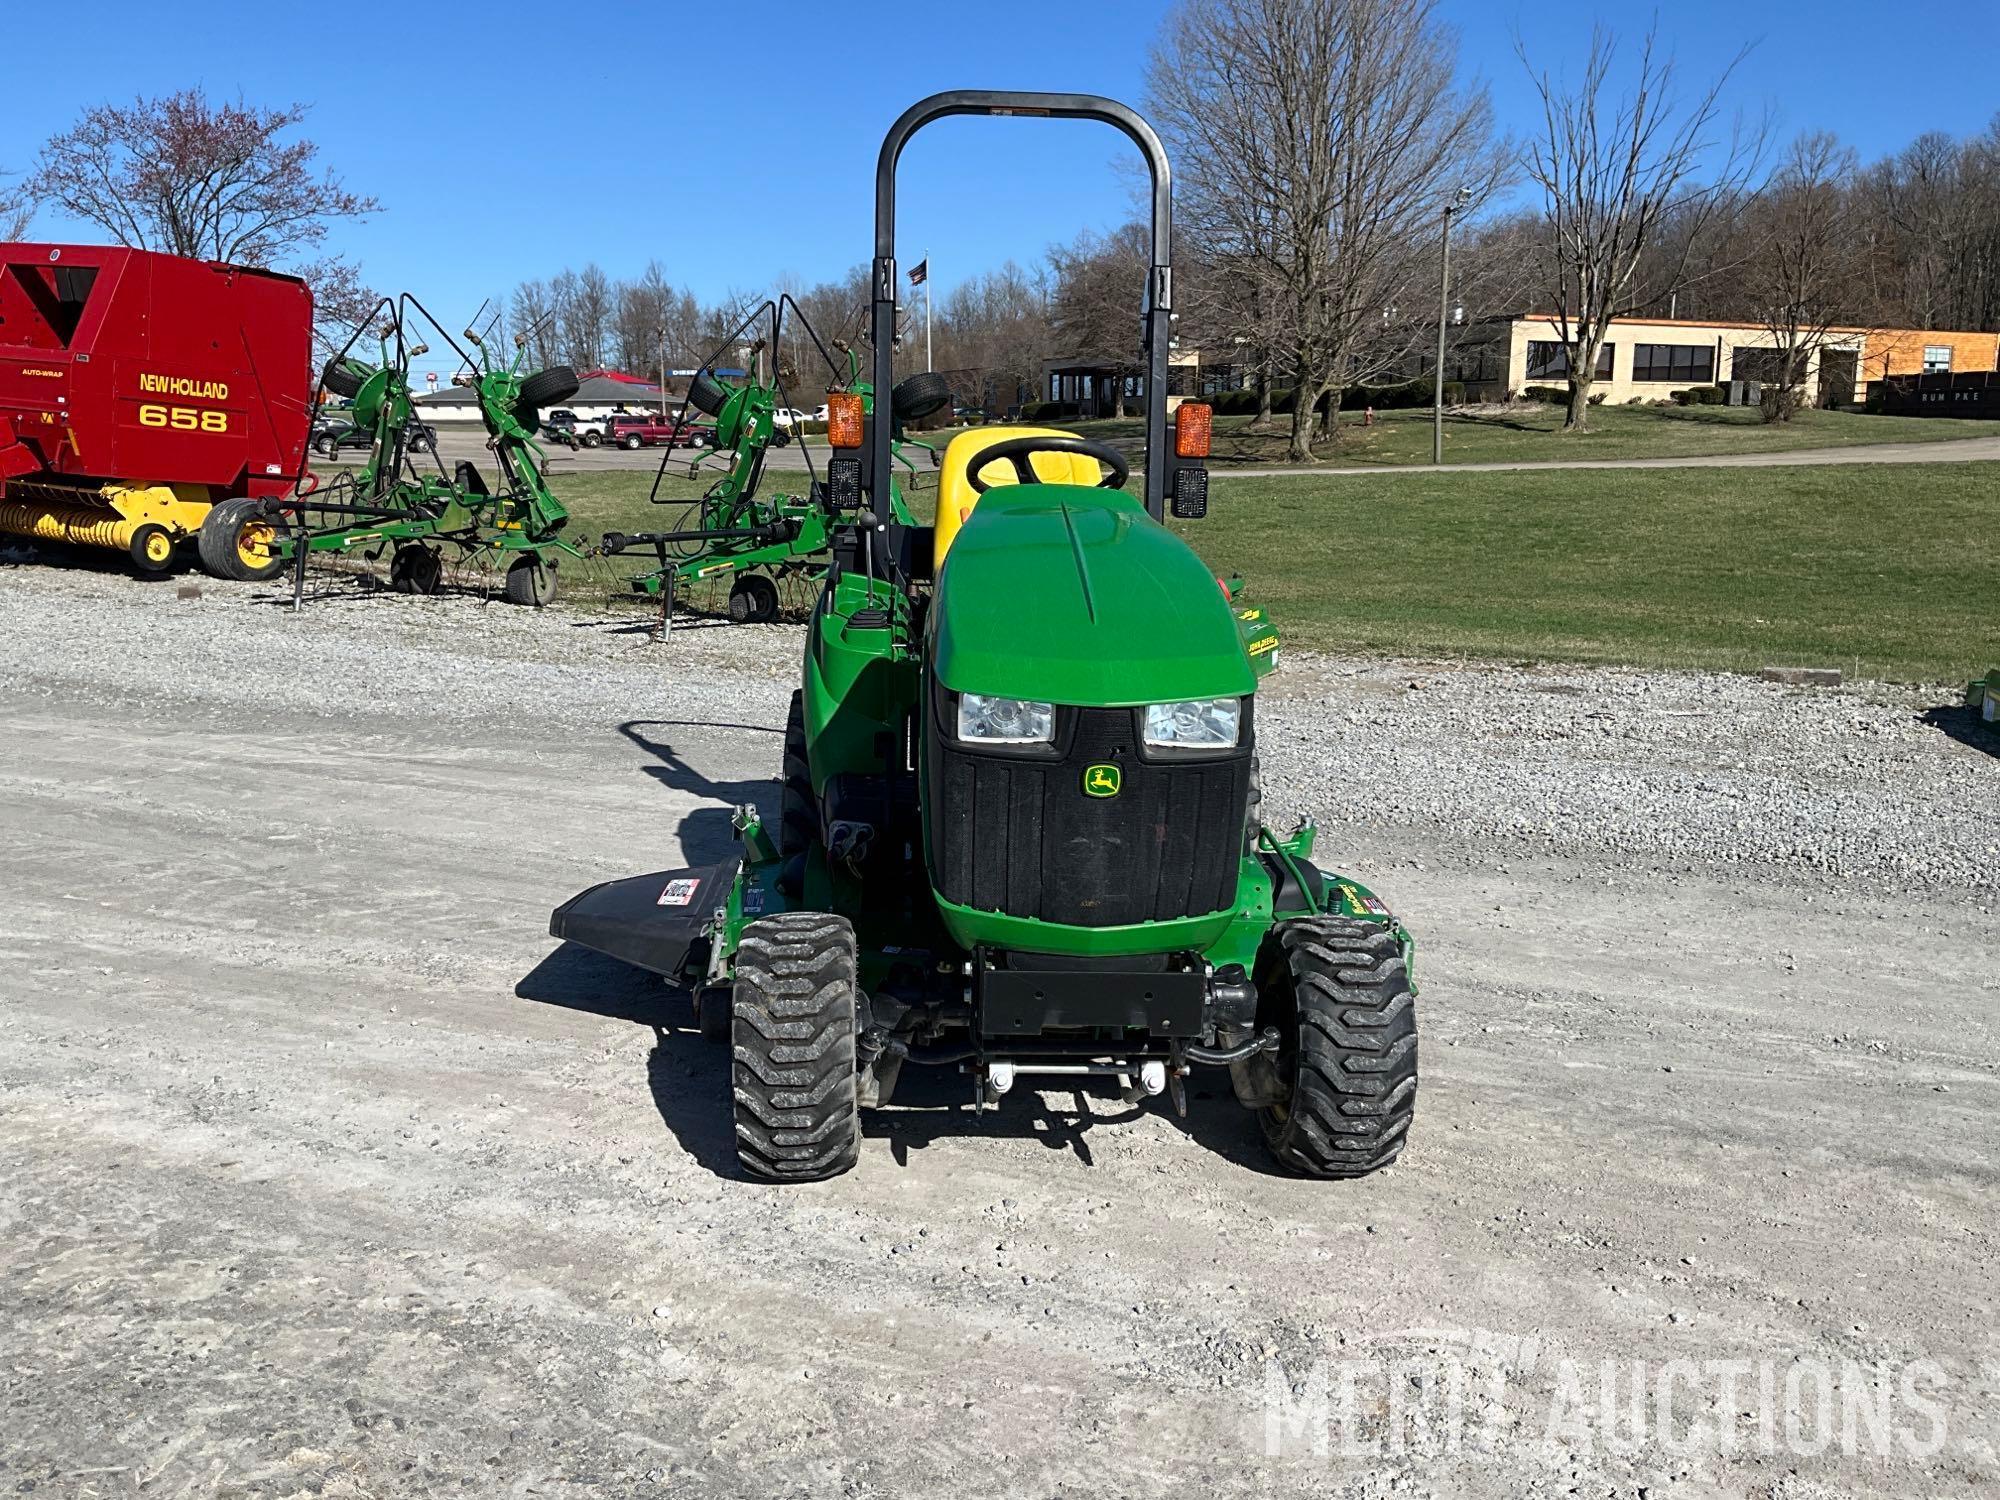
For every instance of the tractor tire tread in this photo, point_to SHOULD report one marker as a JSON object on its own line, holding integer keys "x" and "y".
{"x": 1355, "y": 1047}
{"x": 793, "y": 1015}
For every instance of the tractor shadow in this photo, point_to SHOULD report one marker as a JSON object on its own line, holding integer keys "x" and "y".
{"x": 707, "y": 834}
{"x": 687, "y": 1078}
{"x": 1963, "y": 724}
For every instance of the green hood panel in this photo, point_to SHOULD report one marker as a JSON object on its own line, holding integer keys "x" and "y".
{"x": 1076, "y": 595}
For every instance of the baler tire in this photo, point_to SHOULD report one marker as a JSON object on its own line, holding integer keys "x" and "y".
{"x": 341, "y": 380}
{"x": 798, "y": 819}
{"x": 793, "y": 1077}
{"x": 917, "y": 396}
{"x": 415, "y": 569}
{"x": 753, "y": 600}
{"x": 1338, "y": 990}
{"x": 547, "y": 387}
{"x": 152, "y": 550}
{"x": 706, "y": 396}
{"x": 219, "y": 542}
{"x": 530, "y": 581}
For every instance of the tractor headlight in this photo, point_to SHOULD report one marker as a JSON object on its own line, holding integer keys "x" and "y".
{"x": 1204, "y": 724}
{"x": 1005, "y": 721}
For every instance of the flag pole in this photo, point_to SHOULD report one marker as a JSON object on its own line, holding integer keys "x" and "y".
{"x": 927, "y": 310}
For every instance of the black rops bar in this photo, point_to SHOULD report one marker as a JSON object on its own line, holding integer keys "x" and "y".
{"x": 1158, "y": 320}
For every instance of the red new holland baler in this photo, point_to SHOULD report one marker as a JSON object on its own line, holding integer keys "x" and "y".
{"x": 140, "y": 394}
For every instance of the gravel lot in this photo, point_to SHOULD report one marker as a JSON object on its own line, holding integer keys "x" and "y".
{"x": 324, "y": 1171}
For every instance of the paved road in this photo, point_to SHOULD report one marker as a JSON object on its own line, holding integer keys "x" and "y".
{"x": 457, "y": 444}
{"x": 1955, "y": 451}
{"x": 324, "y": 1171}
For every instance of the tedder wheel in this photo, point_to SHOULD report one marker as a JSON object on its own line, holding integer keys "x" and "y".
{"x": 754, "y": 600}
{"x": 706, "y": 396}
{"x": 793, "y": 1075}
{"x": 530, "y": 581}
{"x": 547, "y": 388}
{"x": 799, "y": 821}
{"x": 235, "y": 541}
{"x": 917, "y": 396}
{"x": 1338, "y": 991}
{"x": 342, "y": 378}
{"x": 152, "y": 549}
{"x": 416, "y": 569}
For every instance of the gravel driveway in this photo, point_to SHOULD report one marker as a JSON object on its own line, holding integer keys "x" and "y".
{"x": 324, "y": 1171}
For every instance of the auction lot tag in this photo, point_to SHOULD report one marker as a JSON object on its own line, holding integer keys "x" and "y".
{"x": 678, "y": 892}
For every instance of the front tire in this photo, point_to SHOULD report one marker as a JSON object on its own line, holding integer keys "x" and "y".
{"x": 1338, "y": 990}
{"x": 792, "y": 1024}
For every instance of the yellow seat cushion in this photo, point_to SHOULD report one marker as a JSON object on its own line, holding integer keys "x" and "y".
{"x": 956, "y": 497}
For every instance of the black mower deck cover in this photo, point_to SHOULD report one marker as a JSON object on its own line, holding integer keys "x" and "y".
{"x": 647, "y": 920}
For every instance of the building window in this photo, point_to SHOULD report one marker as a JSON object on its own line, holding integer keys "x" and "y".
{"x": 1937, "y": 359}
{"x": 1762, "y": 364}
{"x": 1683, "y": 364}
{"x": 1548, "y": 359}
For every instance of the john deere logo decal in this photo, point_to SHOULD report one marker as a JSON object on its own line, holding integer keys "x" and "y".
{"x": 1101, "y": 781}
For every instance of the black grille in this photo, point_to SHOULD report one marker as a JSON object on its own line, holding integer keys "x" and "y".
{"x": 1016, "y": 833}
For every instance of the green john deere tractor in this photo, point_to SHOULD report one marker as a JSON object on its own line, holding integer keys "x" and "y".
{"x": 1019, "y": 831}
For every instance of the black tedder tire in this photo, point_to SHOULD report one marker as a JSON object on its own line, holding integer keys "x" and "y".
{"x": 706, "y": 396}
{"x": 792, "y": 1072}
{"x": 917, "y": 396}
{"x": 530, "y": 581}
{"x": 342, "y": 379}
{"x": 799, "y": 819}
{"x": 416, "y": 569}
{"x": 232, "y": 538}
{"x": 754, "y": 600}
{"x": 1338, "y": 990}
{"x": 548, "y": 387}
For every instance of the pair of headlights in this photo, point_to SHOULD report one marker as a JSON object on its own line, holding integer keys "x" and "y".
{"x": 1198, "y": 724}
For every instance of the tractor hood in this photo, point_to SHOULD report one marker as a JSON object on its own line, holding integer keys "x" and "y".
{"x": 1076, "y": 595}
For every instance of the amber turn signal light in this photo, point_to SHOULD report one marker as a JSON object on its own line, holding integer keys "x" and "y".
{"x": 1194, "y": 424}
{"x": 843, "y": 419}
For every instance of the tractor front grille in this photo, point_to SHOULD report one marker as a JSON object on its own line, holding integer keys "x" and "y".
{"x": 1016, "y": 833}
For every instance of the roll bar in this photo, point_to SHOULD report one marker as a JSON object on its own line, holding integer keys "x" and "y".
{"x": 1156, "y": 324}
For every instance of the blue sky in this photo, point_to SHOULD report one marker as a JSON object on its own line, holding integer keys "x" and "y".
{"x": 506, "y": 140}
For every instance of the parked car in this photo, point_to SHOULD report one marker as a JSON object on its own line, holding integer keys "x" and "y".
{"x": 785, "y": 416}
{"x": 329, "y": 437}
{"x": 651, "y": 430}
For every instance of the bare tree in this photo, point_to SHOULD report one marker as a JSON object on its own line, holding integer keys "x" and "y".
{"x": 1802, "y": 278}
{"x": 1318, "y": 142}
{"x": 1100, "y": 281}
{"x": 212, "y": 181}
{"x": 16, "y": 213}
{"x": 1613, "y": 174}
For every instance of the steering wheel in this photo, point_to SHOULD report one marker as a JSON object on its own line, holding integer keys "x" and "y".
{"x": 1018, "y": 451}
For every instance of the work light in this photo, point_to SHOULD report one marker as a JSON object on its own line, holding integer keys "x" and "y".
{"x": 1203, "y": 724}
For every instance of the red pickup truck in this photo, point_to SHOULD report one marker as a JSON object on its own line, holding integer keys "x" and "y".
{"x": 652, "y": 431}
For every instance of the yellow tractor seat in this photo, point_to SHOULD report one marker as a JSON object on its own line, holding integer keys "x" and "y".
{"x": 956, "y": 497}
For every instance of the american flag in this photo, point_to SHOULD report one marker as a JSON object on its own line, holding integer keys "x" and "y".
{"x": 920, "y": 271}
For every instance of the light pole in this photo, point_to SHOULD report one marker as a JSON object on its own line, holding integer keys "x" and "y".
{"x": 1458, "y": 201}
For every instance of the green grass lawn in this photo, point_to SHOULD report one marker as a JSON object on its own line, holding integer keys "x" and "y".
{"x": 1884, "y": 571}
{"x": 1888, "y": 571}
{"x": 1532, "y": 434}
